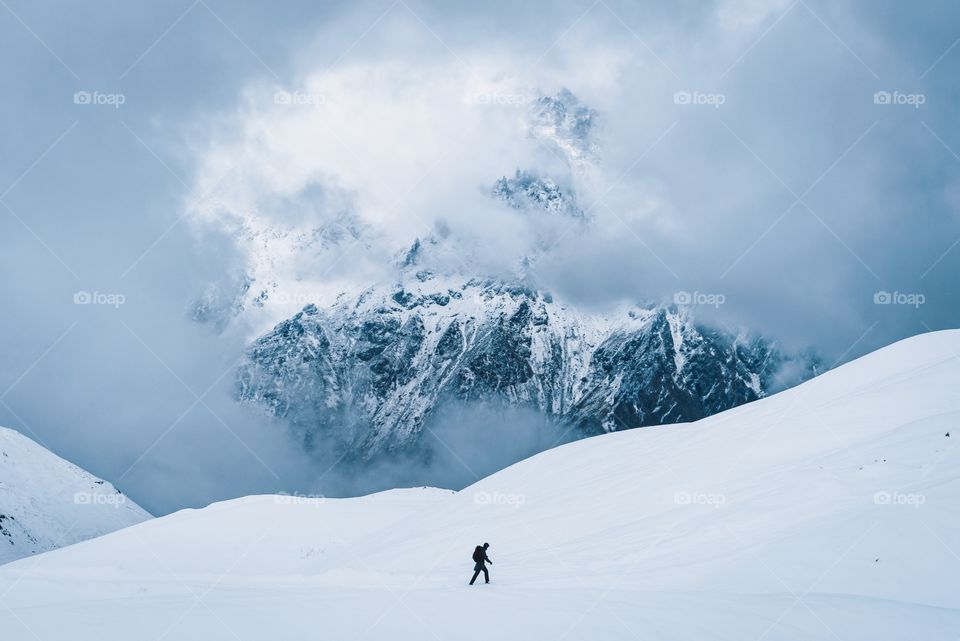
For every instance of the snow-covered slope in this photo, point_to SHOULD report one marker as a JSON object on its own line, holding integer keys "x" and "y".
{"x": 47, "y": 502}
{"x": 828, "y": 511}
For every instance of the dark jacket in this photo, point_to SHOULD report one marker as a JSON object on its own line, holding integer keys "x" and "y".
{"x": 480, "y": 556}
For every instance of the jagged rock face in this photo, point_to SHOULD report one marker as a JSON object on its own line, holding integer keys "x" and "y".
{"x": 563, "y": 122}
{"x": 673, "y": 371}
{"x": 365, "y": 375}
{"x": 525, "y": 191}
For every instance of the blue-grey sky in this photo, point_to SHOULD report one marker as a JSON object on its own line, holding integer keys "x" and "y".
{"x": 797, "y": 157}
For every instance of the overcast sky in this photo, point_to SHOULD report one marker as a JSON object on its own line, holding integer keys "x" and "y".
{"x": 798, "y": 158}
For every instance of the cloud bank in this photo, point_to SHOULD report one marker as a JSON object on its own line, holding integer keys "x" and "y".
{"x": 743, "y": 153}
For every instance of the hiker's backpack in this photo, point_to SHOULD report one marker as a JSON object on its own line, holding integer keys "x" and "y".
{"x": 479, "y": 554}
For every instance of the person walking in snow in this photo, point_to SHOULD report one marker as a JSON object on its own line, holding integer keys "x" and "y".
{"x": 480, "y": 558}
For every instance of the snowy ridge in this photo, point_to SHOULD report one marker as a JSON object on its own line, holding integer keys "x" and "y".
{"x": 826, "y": 511}
{"x": 366, "y": 374}
{"x": 47, "y": 502}
{"x": 525, "y": 190}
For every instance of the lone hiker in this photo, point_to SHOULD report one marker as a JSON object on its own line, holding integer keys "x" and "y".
{"x": 480, "y": 557}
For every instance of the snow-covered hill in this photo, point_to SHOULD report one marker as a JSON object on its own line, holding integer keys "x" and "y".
{"x": 47, "y": 502}
{"x": 828, "y": 511}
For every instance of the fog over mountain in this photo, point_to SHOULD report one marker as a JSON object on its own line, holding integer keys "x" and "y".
{"x": 187, "y": 179}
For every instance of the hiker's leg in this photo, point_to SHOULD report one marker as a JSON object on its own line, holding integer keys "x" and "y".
{"x": 486, "y": 575}
{"x": 475, "y": 575}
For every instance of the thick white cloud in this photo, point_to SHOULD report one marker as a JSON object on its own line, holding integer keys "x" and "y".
{"x": 323, "y": 182}
{"x": 710, "y": 128}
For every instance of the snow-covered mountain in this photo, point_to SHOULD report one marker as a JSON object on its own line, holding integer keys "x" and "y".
{"x": 47, "y": 502}
{"x": 363, "y": 376}
{"x": 827, "y": 511}
{"x": 367, "y": 374}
